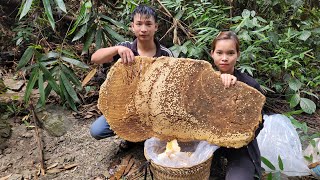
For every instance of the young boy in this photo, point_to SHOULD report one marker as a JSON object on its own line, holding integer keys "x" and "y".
{"x": 144, "y": 26}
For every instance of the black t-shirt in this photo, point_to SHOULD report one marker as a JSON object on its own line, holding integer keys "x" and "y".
{"x": 161, "y": 50}
{"x": 243, "y": 77}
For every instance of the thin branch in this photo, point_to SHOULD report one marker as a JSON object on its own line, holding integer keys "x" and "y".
{"x": 38, "y": 137}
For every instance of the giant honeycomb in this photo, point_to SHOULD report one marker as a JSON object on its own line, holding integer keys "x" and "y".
{"x": 178, "y": 98}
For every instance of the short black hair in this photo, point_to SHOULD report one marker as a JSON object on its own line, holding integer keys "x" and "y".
{"x": 144, "y": 10}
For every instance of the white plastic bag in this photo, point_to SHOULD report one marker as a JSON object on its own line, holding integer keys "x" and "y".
{"x": 199, "y": 151}
{"x": 313, "y": 151}
{"x": 279, "y": 138}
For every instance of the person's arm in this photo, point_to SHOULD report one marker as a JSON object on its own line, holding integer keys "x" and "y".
{"x": 105, "y": 55}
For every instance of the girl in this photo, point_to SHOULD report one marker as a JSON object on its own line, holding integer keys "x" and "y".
{"x": 243, "y": 163}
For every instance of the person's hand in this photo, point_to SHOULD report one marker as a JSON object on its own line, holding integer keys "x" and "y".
{"x": 126, "y": 54}
{"x": 228, "y": 80}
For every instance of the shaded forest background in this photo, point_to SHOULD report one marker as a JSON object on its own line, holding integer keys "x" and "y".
{"x": 49, "y": 43}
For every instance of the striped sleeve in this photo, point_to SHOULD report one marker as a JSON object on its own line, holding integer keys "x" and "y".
{"x": 166, "y": 52}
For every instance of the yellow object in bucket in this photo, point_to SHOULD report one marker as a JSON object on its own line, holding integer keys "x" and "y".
{"x": 200, "y": 171}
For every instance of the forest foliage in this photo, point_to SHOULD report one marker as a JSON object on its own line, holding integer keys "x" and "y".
{"x": 280, "y": 41}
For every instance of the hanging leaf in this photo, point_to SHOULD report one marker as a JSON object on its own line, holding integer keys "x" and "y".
{"x": 69, "y": 87}
{"x": 86, "y": 19}
{"x": 41, "y": 88}
{"x": 26, "y": 8}
{"x": 280, "y": 163}
{"x": 81, "y": 15}
{"x": 61, "y": 5}
{"x": 48, "y": 11}
{"x": 114, "y": 34}
{"x": 307, "y": 105}
{"x": 117, "y": 23}
{"x": 71, "y": 76}
{"x": 88, "y": 42}
{"x": 67, "y": 96}
{"x": 50, "y": 79}
{"x": 89, "y": 76}
{"x": 98, "y": 39}
{"x": 80, "y": 33}
{"x": 295, "y": 84}
{"x": 294, "y": 100}
{"x": 47, "y": 91}
{"x": 74, "y": 62}
{"x": 31, "y": 83}
{"x": 25, "y": 57}
{"x": 267, "y": 163}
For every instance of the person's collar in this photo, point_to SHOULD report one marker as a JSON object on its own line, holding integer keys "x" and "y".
{"x": 158, "y": 48}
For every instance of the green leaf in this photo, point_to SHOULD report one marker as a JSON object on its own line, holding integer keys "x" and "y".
{"x": 46, "y": 63}
{"x": 61, "y": 5}
{"x": 311, "y": 94}
{"x": 294, "y": 100}
{"x": 267, "y": 163}
{"x": 297, "y": 112}
{"x": 67, "y": 96}
{"x": 295, "y": 84}
{"x": 80, "y": 33}
{"x": 19, "y": 41}
{"x": 48, "y": 11}
{"x": 88, "y": 42}
{"x": 280, "y": 163}
{"x": 277, "y": 175}
{"x": 309, "y": 158}
{"x": 253, "y": 13}
{"x": 81, "y": 15}
{"x": 307, "y": 105}
{"x": 86, "y": 19}
{"x": 31, "y": 83}
{"x": 69, "y": 53}
{"x": 269, "y": 176}
{"x": 41, "y": 88}
{"x": 114, "y": 34}
{"x": 179, "y": 15}
{"x": 98, "y": 39}
{"x": 74, "y": 62}
{"x": 51, "y": 54}
{"x": 88, "y": 4}
{"x": 70, "y": 75}
{"x": 245, "y": 13}
{"x": 25, "y": 57}
{"x": 51, "y": 80}
{"x": 26, "y": 8}
{"x": 69, "y": 88}
{"x": 117, "y": 23}
{"x": 304, "y": 35}
{"x": 47, "y": 90}
{"x": 313, "y": 143}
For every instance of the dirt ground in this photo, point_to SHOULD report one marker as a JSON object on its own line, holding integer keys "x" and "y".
{"x": 75, "y": 155}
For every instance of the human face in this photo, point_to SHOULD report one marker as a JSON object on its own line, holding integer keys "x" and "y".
{"x": 225, "y": 55}
{"x": 144, "y": 27}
